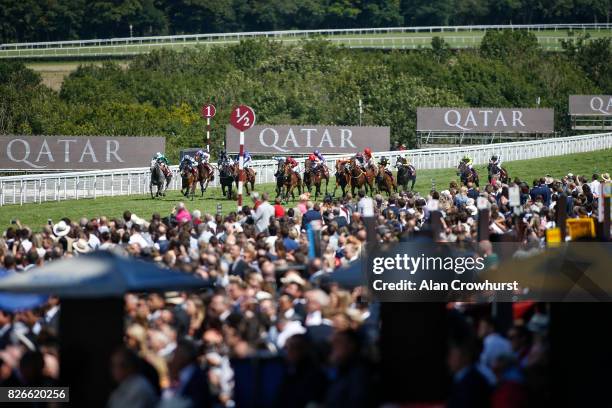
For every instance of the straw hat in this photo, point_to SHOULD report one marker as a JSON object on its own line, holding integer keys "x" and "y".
{"x": 606, "y": 177}
{"x": 81, "y": 246}
{"x": 61, "y": 229}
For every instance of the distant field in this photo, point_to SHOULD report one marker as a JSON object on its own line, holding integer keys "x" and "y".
{"x": 36, "y": 215}
{"x": 53, "y": 73}
{"x": 549, "y": 39}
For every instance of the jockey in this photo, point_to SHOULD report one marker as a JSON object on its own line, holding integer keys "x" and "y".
{"x": 495, "y": 161}
{"x": 317, "y": 159}
{"x": 312, "y": 159}
{"x": 319, "y": 156}
{"x": 360, "y": 159}
{"x": 384, "y": 162}
{"x": 224, "y": 158}
{"x": 292, "y": 162}
{"x": 159, "y": 158}
{"x": 468, "y": 162}
{"x": 202, "y": 156}
{"x": 367, "y": 155}
{"x": 188, "y": 163}
{"x": 247, "y": 159}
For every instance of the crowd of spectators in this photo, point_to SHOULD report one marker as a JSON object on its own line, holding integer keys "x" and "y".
{"x": 274, "y": 298}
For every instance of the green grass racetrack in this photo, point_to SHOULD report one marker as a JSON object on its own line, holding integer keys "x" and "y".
{"x": 36, "y": 215}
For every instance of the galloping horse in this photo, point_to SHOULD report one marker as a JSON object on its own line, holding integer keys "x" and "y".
{"x": 466, "y": 174}
{"x": 249, "y": 178}
{"x": 189, "y": 180}
{"x": 314, "y": 177}
{"x": 206, "y": 174}
{"x": 160, "y": 177}
{"x": 498, "y": 172}
{"x": 405, "y": 173}
{"x": 280, "y": 177}
{"x": 360, "y": 177}
{"x": 291, "y": 180}
{"x": 226, "y": 179}
{"x": 343, "y": 177}
{"x": 385, "y": 181}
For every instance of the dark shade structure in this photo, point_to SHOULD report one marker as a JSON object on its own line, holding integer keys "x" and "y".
{"x": 99, "y": 274}
{"x": 91, "y": 289}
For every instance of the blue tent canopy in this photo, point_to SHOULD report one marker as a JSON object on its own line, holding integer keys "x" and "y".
{"x": 99, "y": 274}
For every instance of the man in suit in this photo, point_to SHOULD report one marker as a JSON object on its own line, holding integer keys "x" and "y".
{"x": 191, "y": 380}
{"x": 470, "y": 388}
{"x": 313, "y": 214}
{"x": 541, "y": 190}
{"x": 238, "y": 264}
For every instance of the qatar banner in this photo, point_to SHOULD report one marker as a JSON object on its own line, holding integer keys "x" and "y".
{"x": 77, "y": 152}
{"x": 590, "y": 105}
{"x": 486, "y": 120}
{"x": 303, "y": 139}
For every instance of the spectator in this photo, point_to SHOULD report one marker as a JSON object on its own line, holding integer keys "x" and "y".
{"x": 263, "y": 214}
{"x": 133, "y": 389}
{"x": 182, "y": 215}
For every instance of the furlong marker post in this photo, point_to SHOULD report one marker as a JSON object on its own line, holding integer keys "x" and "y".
{"x": 240, "y": 171}
{"x": 208, "y": 112}
{"x": 242, "y": 118}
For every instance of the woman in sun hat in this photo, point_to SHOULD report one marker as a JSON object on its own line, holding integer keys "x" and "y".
{"x": 81, "y": 246}
{"x": 61, "y": 229}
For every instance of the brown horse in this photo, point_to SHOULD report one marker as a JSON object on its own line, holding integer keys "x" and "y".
{"x": 385, "y": 181}
{"x": 361, "y": 178}
{"x": 313, "y": 177}
{"x": 343, "y": 177}
{"x": 249, "y": 178}
{"x": 206, "y": 174}
{"x": 189, "y": 181}
{"x": 291, "y": 180}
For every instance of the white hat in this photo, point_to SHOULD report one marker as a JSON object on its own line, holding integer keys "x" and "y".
{"x": 293, "y": 277}
{"x": 472, "y": 209}
{"x": 140, "y": 221}
{"x": 81, "y": 246}
{"x": 61, "y": 229}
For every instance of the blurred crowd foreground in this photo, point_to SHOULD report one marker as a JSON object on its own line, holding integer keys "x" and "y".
{"x": 252, "y": 316}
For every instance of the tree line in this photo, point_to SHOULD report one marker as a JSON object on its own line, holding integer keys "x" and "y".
{"x": 32, "y": 20}
{"x": 313, "y": 82}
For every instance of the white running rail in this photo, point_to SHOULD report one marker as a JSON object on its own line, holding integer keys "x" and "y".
{"x": 40, "y": 188}
{"x": 378, "y": 37}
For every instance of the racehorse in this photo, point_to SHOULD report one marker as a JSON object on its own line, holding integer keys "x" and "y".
{"x": 291, "y": 180}
{"x": 226, "y": 179}
{"x": 249, "y": 178}
{"x": 466, "y": 174}
{"x": 160, "y": 174}
{"x": 189, "y": 180}
{"x": 385, "y": 181}
{"x": 314, "y": 177}
{"x": 206, "y": 174}
{"x": 361, "y": 178}
{"x": 498, "y": 172}
{"x": 405, "y": 173}
{"x": 343, "y": 177}
{"x": 280, "y": 177}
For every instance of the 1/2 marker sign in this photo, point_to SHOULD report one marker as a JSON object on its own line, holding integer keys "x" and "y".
{"x": 242, "y": 117}
{"x": 208, "y": 111}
